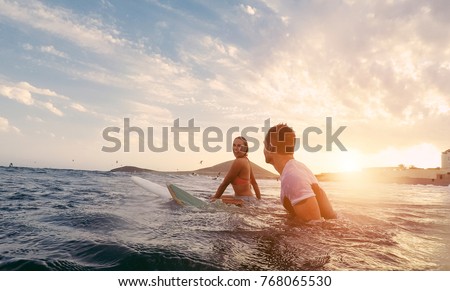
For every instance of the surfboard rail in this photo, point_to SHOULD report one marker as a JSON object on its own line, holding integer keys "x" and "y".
{"x": 182, "y": 197}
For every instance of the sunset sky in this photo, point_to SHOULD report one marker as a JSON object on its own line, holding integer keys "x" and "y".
{"x": 70, "y": 69}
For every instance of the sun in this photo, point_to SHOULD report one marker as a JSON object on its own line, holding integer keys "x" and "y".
{"x": 349, "y": 162}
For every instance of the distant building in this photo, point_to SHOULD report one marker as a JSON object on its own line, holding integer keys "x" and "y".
{"x": 445, "y": 158}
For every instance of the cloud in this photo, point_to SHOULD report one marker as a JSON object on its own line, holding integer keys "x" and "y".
{"x": 140, "y": 71}
{"x": 248, "y": 9}
{"x": 18, "y": 94}
{"x": 40, "y": 91}
{"x": 78, "y": 107}
{"x": 52, "y": 108}
{"x": 369, "y": 56}
{"x": 381, "y": 69}
{"x": 25, "y": 93}
{"x": 372, "y": 60}
{"x": 146, "y": 115}
{"x": 6, "y": 127}
{"x": 82, "y": 30}
{"x": 49, "y": 49}
{"x": 34, "y": 119}
{"x": 218, "y": 46}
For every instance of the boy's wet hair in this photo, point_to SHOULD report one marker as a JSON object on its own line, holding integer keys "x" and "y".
{"x": 280, "y": 139}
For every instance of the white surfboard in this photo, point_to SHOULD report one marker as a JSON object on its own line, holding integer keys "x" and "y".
{"x": 154, "y": 188}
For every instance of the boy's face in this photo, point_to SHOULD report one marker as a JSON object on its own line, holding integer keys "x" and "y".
{"x": 267, "y": 154}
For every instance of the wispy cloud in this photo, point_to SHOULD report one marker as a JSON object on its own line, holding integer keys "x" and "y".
{"x": 18, "y": 94}
{"x": 25, "y": 93}
{"x": 34, "y": 119}
{"x": 82, "y": 30}
{"x": 146, "y": 115}
{"x": 52, "y": 108}
{"x": 248, "y": 9}
{"x": 78, "y": 107}
{"x": 151, "y": 74}
{"x": 5, "y": 126}
{"x": 380, "y": 58}
{"x": 40, "y": 91}
{"x": 50, "y": 49}
{"x": 353, "y": 66}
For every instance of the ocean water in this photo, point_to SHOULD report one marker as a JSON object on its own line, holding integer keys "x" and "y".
{"x": 88, "y": 220}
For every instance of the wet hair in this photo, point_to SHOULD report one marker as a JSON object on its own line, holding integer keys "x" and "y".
{"x": 245, "y": 147}
{"x": 280, "y": 139}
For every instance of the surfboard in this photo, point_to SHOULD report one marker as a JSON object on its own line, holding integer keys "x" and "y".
{"x": 184, "y": 198}
{"x": 153, "y": 188}
{"x": 179, "y": 195}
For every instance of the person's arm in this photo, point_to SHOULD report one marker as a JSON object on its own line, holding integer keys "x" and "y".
{"x": 232, "y": 173}
{"x": 326, "y": 210}
{"x": 255, "y": 184}
{"x": 306, "y": 210}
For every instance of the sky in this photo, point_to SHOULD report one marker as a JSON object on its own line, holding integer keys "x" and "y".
{"x": 74, "y": 75}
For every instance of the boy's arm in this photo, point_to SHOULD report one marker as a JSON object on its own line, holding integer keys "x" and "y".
{"x": 326, "y": 210}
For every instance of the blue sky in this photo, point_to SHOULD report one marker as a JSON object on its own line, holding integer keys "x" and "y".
{"x": 70, "y": 69}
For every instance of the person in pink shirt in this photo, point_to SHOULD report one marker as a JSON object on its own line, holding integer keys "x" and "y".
{"x": 300, "y": 193}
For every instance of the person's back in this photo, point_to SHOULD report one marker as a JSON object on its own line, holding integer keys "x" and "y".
{"x": 240, "y": 174}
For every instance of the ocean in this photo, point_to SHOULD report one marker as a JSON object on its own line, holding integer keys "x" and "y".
{"x": 53, "y": 219}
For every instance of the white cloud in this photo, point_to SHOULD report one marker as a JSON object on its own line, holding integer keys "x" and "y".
{"x": 53, "y": 51}
{"x": 18, "y": 94}
{"x": 248, "y": 9}
{"x": 52, "y": 108}
{"x": 152, "y": 74}
{"x": 25, "y": 93}
{"x": 106, "y": 4}
{"x": 49, "y": 49}
{"x": 146, "y": 115}
{"x": 216, "y": 45}
{"x": 6, "y": 127}
{"x": 81, "y": 30}
{"x": 40, "y": 91}
{"x": 385, "y": 61}
{"x": 34, "y": 119}
{"x": 27, "y": 47}
{"x": 78, "y": 107}
{"x": 4, "y": 124}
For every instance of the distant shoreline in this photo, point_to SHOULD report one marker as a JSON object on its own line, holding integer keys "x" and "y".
{"x": 219, "y": 170}
{"x": 377, "y": 175}
{"x": 387, "y": 176}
